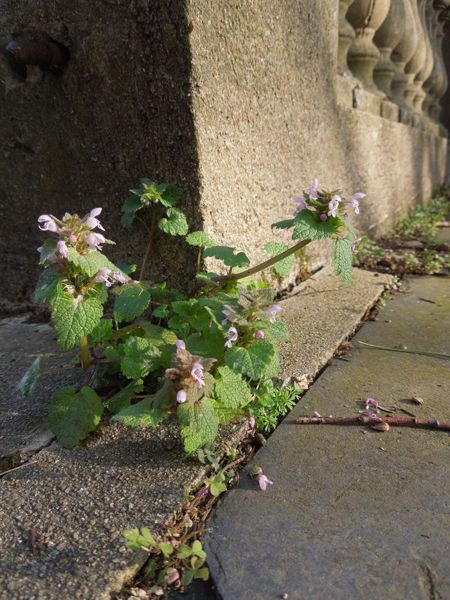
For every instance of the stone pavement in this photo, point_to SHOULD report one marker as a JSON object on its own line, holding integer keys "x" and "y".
{"x": 353, "y": 513}
{"x": 62, "y": 515}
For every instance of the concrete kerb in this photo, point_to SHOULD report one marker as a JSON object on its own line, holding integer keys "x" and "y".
{"x": 78, "y": 502}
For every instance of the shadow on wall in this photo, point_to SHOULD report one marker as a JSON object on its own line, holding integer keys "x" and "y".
{"x": 120, "y": 110}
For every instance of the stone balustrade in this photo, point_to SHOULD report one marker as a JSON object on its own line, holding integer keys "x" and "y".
{"x": 390, "y": 53}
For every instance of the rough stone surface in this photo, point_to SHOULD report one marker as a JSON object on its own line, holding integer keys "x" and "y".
{"x": 352, "y": 513}
{"x": 242, "y": 112}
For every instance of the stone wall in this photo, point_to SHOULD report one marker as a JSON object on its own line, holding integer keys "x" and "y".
{"x": 241, "y": 103}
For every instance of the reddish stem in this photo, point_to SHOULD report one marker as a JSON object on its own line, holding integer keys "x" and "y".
{"x": 365, "y": 420}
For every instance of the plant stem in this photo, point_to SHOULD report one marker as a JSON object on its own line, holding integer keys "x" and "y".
{"x": 199, "y": 258}
{"x": 84, "y": 353}
{"x": 365, "y": 420}
{"x": 420, "y": 352}
{"x": 264, "y": 265}
{"x": 151, "y": 235}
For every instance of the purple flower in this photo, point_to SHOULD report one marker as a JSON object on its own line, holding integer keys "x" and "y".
{"x": 252, "y": 423}
{"x": 62, "y": 248}
{"x": 333, "y": 205}
{"x": 272, "y": 311}
{"x": 323, "y": 217}
{"x": 202, "y": 492}
{"x": 314, "y": 188}
{"x": 91, "y": 221}
{"x": 372, "y": 404}
{"x": 197, "y": 374}
{"x": 73, "y": 238}
{"x": 229, "y": 316}
{"x": 181, "y": 396}
{"x": 232, "y": 337}
{"x": 354, "y": 201}
{"x": 48, "y": 223}
{"x": 259, "y": 335}
{"x": 180, "y": 344}
{"x": 302, "y": 206}
{"x": 95, "y": 241}
{"x": 355, "y": 244}
{"x": 103, "y": 276}
{"x": 119, "y": 277}
{"x": 263, "y": 481}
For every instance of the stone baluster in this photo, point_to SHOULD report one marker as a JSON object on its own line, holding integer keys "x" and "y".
{"x": 433, "y": 26}
{"x": 365, "y": 16}
{"x": 440, "y": 86}
{"x": 401, "y": 55}
{"x": 427, "y": 65}
{"x": 346, "y": 37}
{"x": 417, "y": 60}
{"x": 386, "y": 38}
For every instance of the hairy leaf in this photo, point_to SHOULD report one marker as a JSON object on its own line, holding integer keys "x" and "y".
{"x": 139, "y": 357}
{"x": 227, "y": 256}
{"x": 103, "y": 332}
{"x": 123, "y": 398}
{"x": 47, "y": 284}
{"x": 73, "y": 319}
{"x": 286, "y": 224}
{"x": 231, "y": 389}
{"x": 170, "y": 194}
{"x": 131, "y": 301}
{"x": 308, "y": 227}
{"x": 208, "y": 345}
{"x": 343, "y": 258}
{"x": 47, "y": 249}
{"x": 283, "y": 266}
{"x": 129, "y": 209}
{"x": 199, "y": 424}
{"x": 254, "y": 361}
{"x": 73, "y": 416}
{"x": 91, "y": 263}
{"x": 174, "y": 223}
{"x": 141, "y": 413}
{"x": 199, "y": 238}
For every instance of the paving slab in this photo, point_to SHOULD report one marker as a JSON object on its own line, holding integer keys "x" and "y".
{"x": 352, "y": 513}
{"x": 62, "y": 516}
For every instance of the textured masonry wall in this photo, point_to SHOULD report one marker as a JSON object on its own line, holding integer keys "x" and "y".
{"x": 242, "y": 113}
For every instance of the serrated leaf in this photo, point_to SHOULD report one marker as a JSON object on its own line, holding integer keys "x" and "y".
{"x": 129, "y": 209}
{"x": 30, "y": 378}
{"x": 139, "y": 357}
{"x": 199, "y": 424}
{"x": 90, "y": 263}
{"x": 283, "y": 266}
{"x": 161, "y": 312}
{"x": 73, "y": 319}
{"x": 103, "y": 332}
{"x": 170, "y": 195}
{"x": 73, "y": 416}
{"x": 231, "y": 389}
{"x": 47, "y": 249}
{"x": 141, "y": 413}
{"x": 131, "y": 301}
{"x": 286, "y": 224}
{"x": 123, "y": 398}
{"x": 254, "y": 361}
{"x": 227, "y": 256}
{"x": 158, "y": 335}
{"x": 343, "y": 259}
{"x": 308, "y": 227}
{"x": 208, "y": 345}
{"x": 199, "y": 238}
{"x": 277, "y": 330}
{"x": 174, "y": 223}
{"x": 47, "y": 284}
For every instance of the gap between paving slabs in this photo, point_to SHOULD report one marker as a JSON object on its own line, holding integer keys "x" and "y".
{"x": 62, "y": 516}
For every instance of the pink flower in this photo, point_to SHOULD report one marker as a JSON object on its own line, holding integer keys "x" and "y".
{"x": 180, "y": 344}
{"x": 197, "y": 374}
{"x": 323, "y": 217}
{"x": 232, "y": 337}
{"x": 259, "y": 335}
{"x": 91, "y": 221}
{"x": 272, "y": 311}
{"x": 333, "y": 205}
{"x": 62, "y": 248}
{"x": 181, "y": 396}
{"x": 73, "y": 238}
{"x": 119, "y": 277}
{"x": 302, "y": 205}
{"x": 48, "y": 223}
{"x": 252, "y": 423}
{"x": 229, "y": 316}
{"x": 354, "y": 201}
{"x": 202, "y": 492}
{"x": 372, "y": 404}
{"x": 95, "y": 241}
{"x": 263, "y": 481}
{"x": 314, "y": 188}
{"x": 103, "y": 276}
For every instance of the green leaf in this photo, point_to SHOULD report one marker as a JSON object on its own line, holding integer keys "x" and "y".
{"x": 141, "y": 413}
{"x": 199, "y": 424}
{"x": 208, "y": 345}
{"x": 103, "y": 332}
{"x": 184, "y": 552}
{"x": 202, "y": 573}
{"x": 47, "y": 284}
{"x": 277, "y": 330}
{"x": 129, "y": 209}
{"x": 72, "y": 416}
{"x": 198, "y": 550}
{"x": 199, "y": 238}
{"x": 186, "y": 578}
{"x": 283, "y": 266}
{"x": 308, "y": 227}
{"x": 47, "y": 249}
{"x": 286, "y": 224}
{"x": 166, "y": 549}
{"x": 29, "y": 380}
{"x": 90, "y": 263}
{"x": 227, "y": 256}
{"x": 170, "y": 195}
{"x": 123, "y": 398}
{"x": 161, "y": 312}
{"x": 231, "y": 389}
{"x": 131, "y": 301}
{"x": 139, "y": 357}
{"x": 74, "y": 319}
{"x": 158, "y": 335}
{"x": 254, "y": 361}
{"x": 216, "y": 486}
{"x": 135, "y": 539}
{"x": 174, "y": 223}
{"x": 342, "y": 259}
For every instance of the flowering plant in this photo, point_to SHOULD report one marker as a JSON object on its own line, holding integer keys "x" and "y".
{"x": 206, "y": 356}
